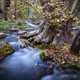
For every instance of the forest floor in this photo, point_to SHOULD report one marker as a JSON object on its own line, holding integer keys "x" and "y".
{"x": 63, "y": 57}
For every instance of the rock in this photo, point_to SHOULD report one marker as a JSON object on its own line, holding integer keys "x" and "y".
{"x": 21, "y": 32}
{"x": 2, "y": 35}
{"x": 24, "y": 36}
{"x": 14, "y": 30}
{"x": 63, "y": 58}
{"x": 75, "y": 48}
{"x": 5, "y": 49}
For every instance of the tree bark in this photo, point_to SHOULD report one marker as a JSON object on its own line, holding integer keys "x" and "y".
{"x": 74, "y": 5}
{"x": 5, "y": 8}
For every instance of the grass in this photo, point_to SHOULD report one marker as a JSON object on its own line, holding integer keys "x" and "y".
{"x": 21, "y": 25}
{"x": 6, "y": 25}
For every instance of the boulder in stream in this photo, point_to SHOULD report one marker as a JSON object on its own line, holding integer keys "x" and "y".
{"x": 5, "y": 49}
{"x": 14, "y": 30}
{"x": 22, "y": 32}
{"x": 75, "y": 47}
{"x": 2, "y": 35}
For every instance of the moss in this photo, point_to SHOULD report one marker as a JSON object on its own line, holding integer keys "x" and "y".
{"x": 71, "y": 66}
{"x": 21, "y": 25}
{"x": 6, "y": 49}
{"x": 42, "y": 46}
{"x": 64, "y": 58}
{"x": 43, "y": 56}
{"x": 4, "y": 25}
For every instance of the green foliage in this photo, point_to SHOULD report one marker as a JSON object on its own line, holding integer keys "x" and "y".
{"x": 4, "y": 25}
{"x": 71, "y": 66}
{"x": 43, "y": 56}
{"x": 55, "y": 12}
{"x": 42, "y": 46}
{"x": 22, "y": 8}
{"x": 37, "y": 11}
{"x": 21, "y": 25}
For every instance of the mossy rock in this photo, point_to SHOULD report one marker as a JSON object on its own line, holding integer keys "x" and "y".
{"x": 5, "y": 49}
{"x": 43, "y": 56}
{"x": 2, "y": 35}
{"x": 42, "y": 46}
{"x": 64, "y": 58}
{"x": 71, "y": 66}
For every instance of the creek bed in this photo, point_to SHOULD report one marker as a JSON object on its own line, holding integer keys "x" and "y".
{"x": 26, "y": 64}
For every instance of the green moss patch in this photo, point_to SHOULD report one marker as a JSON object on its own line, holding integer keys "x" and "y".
{"x": 6, "y": 49}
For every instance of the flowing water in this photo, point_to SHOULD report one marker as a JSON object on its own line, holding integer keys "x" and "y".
{"x": 25, "y": 64}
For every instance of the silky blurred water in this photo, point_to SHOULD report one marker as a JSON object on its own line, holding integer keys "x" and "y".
{"x": 25, "y": 64}
{"x": 63, "y": 75}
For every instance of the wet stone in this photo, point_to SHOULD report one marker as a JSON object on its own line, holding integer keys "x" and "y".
{"x": 14, "y": 30}
{"x": 75, "y": 47}
{"x": 5, "y": 49}
{"x": 2, "y": 35}
{"x": 21, "y": 32}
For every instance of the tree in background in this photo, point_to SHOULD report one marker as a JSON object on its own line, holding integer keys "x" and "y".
{"x": 56, "y": 17}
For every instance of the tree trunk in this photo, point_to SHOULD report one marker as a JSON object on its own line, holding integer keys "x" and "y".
{"x": 75, "y": 48}
{"x": 6, "y": 7}
{"x": 74, "y": 5}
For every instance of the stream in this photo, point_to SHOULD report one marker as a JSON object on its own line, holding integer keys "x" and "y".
{"x": 25, "y": 64}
